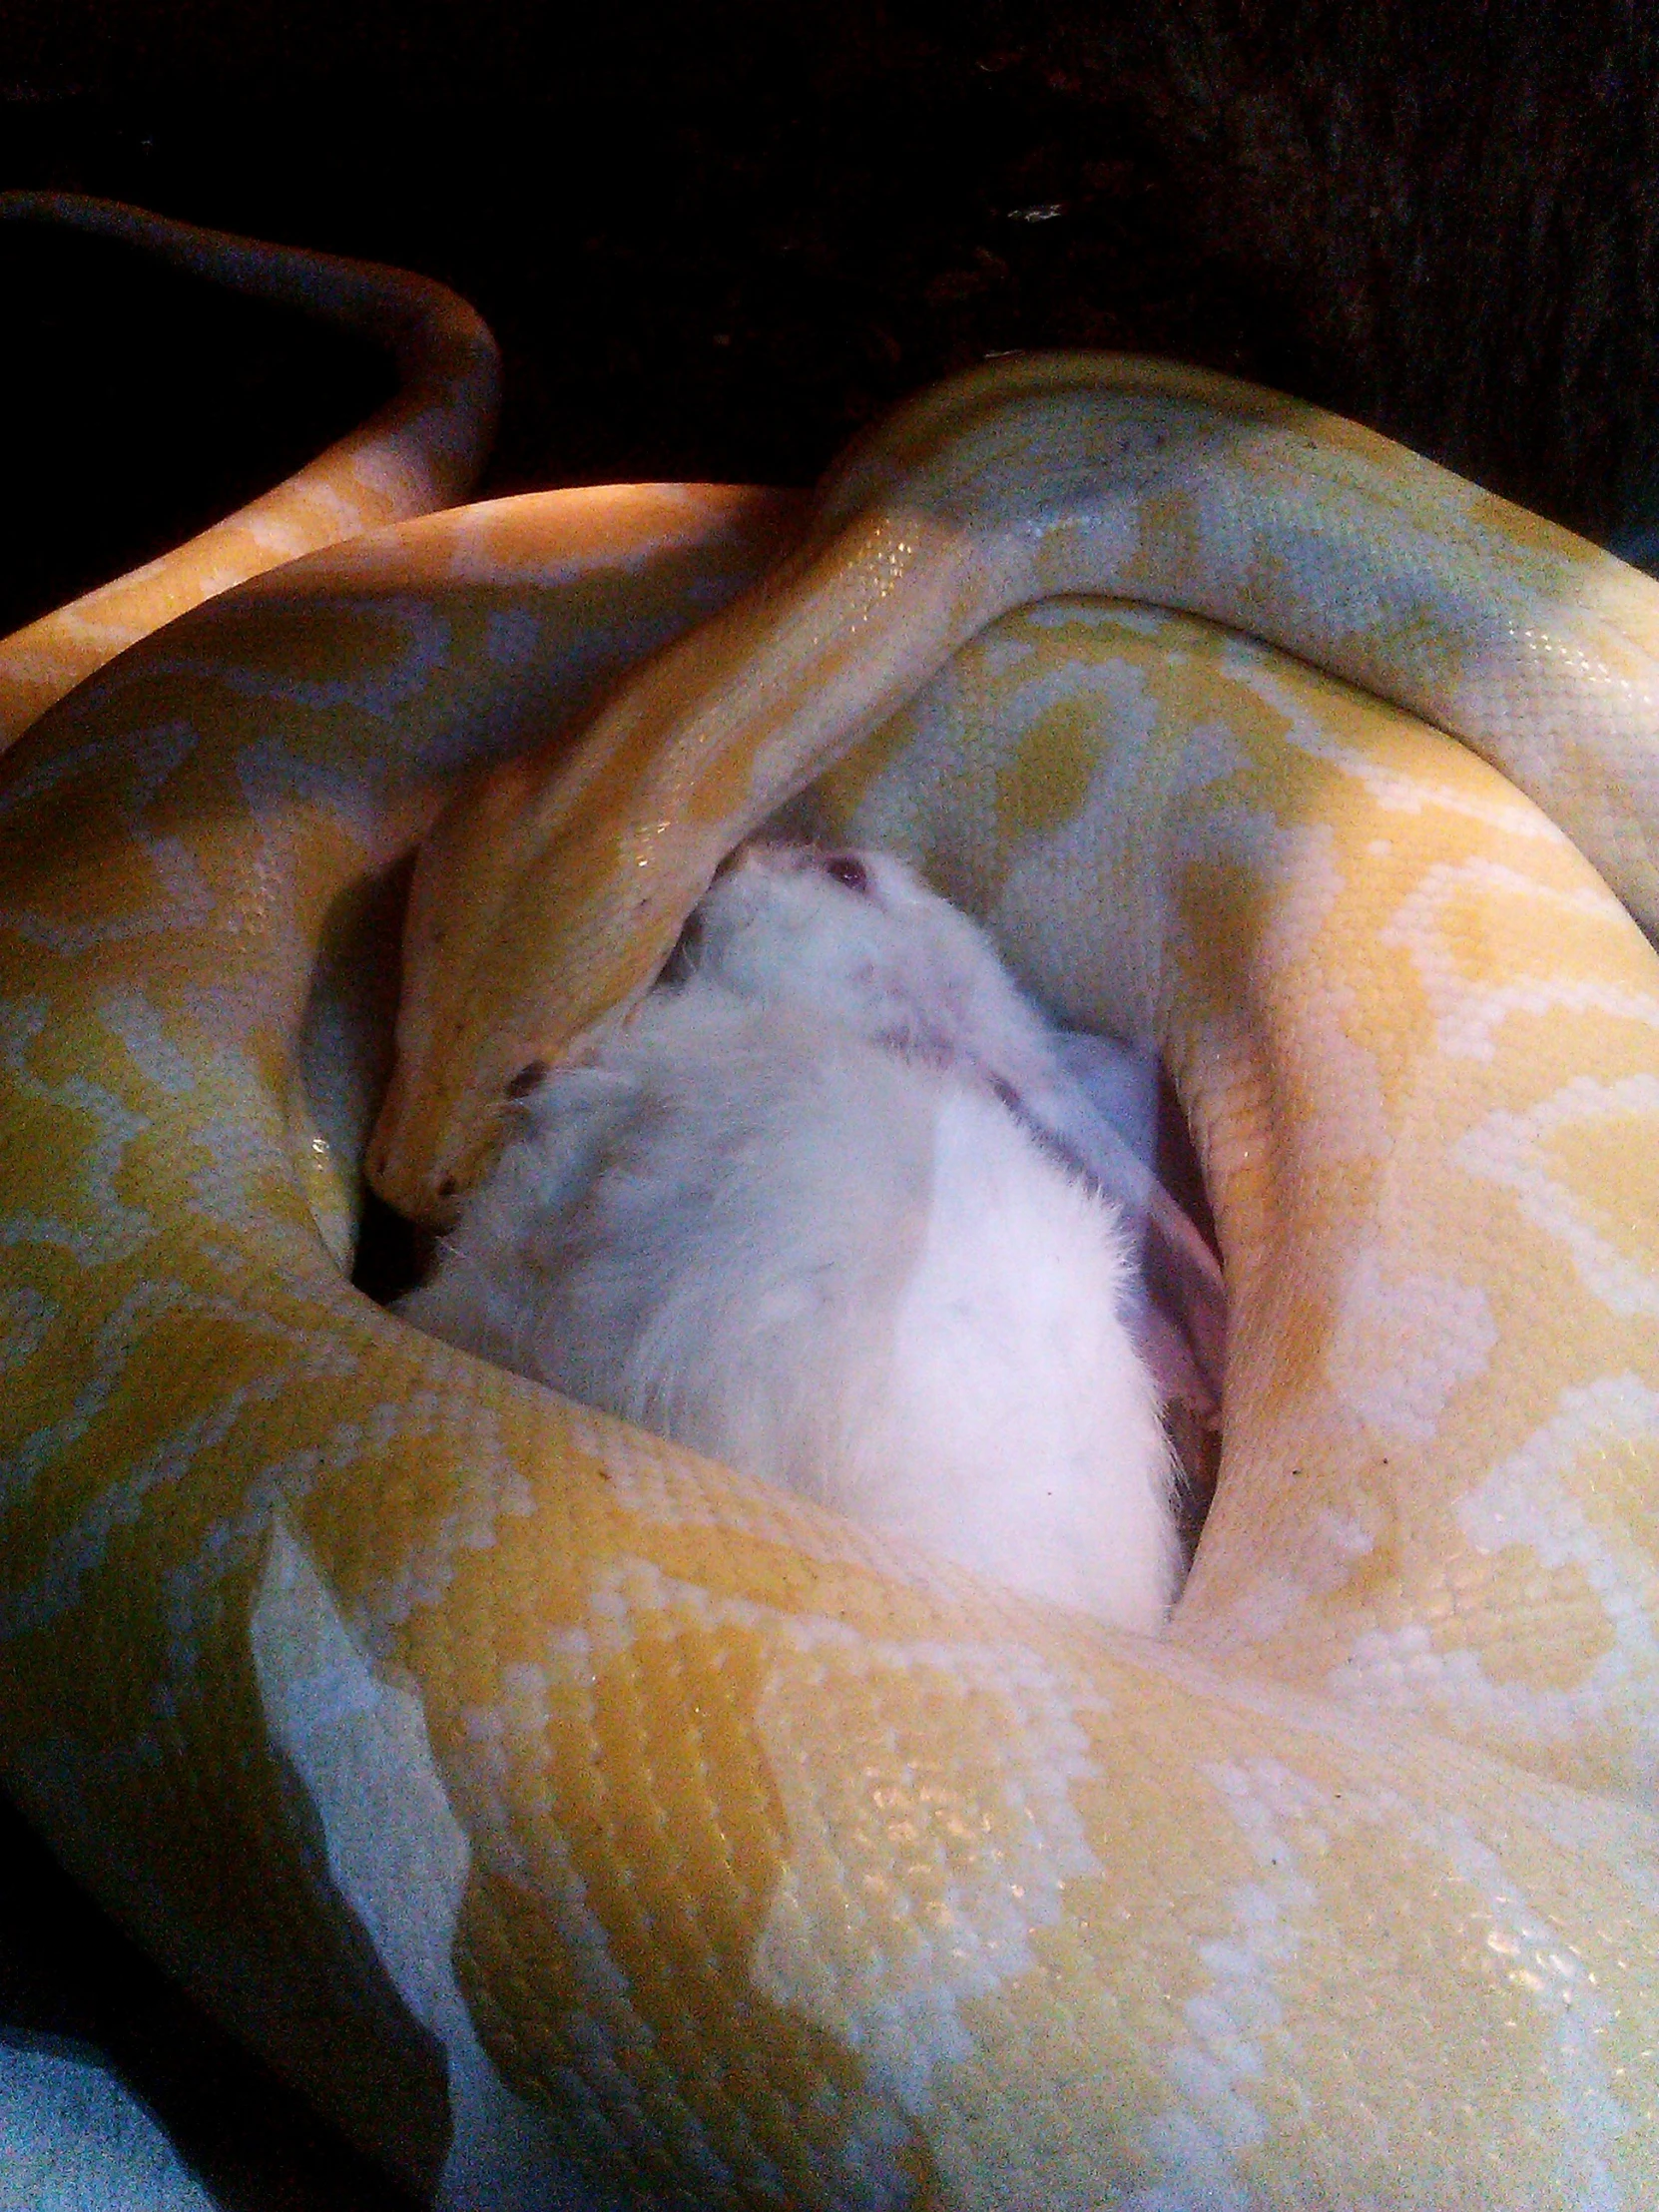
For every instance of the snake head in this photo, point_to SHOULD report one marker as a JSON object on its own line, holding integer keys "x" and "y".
{"x": 530, "y": 928}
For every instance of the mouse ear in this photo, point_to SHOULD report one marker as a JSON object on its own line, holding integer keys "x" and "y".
{"x": 1188, "y": 1293}
{"x": 1168, "y": 1357}
{"x": 1180, "y": 1332}
{"x": 1185, "y": 1286}
{"x": 1111, "y": 1113}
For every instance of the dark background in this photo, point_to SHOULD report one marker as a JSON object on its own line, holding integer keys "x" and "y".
{"x": 716, "y": 235}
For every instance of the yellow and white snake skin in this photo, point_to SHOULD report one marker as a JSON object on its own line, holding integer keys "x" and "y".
{"x": 419, "y": 451}
{"x": 442, "y": 1735}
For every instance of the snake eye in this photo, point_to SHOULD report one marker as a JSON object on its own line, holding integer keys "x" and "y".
{"x": 848, "y": 869}
{"x": 526, "y": 1081}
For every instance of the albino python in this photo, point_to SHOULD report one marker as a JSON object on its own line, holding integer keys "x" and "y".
{"x": 452, "y": 1742}
{"x": 423, "y": 448}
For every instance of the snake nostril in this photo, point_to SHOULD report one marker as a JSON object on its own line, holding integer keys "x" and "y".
{"x": 446, "y": 1189}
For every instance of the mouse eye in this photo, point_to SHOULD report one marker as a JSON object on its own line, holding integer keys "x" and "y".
{"x": 848, "y": 869}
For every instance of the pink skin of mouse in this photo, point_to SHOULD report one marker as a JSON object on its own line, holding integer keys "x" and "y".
{"x": 829, "y": 1208}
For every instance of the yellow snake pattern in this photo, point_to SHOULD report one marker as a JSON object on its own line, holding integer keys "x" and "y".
{"x": 562, "y": 1811}
{"x": 421, "y": 451}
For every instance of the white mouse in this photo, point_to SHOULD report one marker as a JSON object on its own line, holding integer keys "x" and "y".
{"x": 815, "y": 1210}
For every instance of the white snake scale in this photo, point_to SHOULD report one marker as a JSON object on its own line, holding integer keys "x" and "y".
{"x": 420, "y": 1721}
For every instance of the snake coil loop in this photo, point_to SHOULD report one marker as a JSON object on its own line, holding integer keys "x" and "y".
{"x": 547, "y": 1802}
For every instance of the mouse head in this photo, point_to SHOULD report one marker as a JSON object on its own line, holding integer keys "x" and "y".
{"x": 858, "y": 938}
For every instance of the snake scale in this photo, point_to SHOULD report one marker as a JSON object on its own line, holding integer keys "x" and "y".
{"x": 577, "y": 1823}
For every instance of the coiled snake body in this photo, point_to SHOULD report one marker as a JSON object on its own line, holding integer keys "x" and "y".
{"x": 444, "y": 1736}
